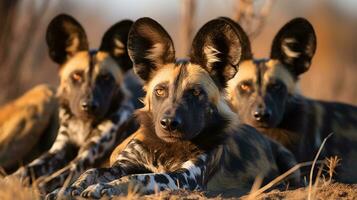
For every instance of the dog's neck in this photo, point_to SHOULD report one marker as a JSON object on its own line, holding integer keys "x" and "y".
{"x": 211, "y": 136}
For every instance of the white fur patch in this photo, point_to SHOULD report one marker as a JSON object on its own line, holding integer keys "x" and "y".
{"x": 59, "y": 144}
{"x": 287, "y": 50}
{"x": 194, "y": 169}
{"x": 155, "y": 52}
{"x": 119, "y": 48}
{"x": 74, "y": 45}
{"x": 211, "y": 55}
{"x": 153, "y": 185}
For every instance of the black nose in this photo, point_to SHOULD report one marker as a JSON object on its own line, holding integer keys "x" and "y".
{"x": 262, "y": 115}
{"x": 89, "y": 106}
{"x": 170, "y": 123}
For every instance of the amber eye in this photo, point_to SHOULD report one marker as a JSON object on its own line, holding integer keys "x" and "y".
{"x": 77, "y": 76}
{"x": 160, "y": 92}
{"x": 196, "y": 92}
{"x": 245, "y": 87}
{"x": 276, "y": 86}
{"x": 106, "y": 77}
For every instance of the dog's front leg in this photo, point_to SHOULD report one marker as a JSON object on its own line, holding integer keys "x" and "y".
{"x": 59, "y": 155}
{"x": 94, "y": 176}
{"x": 93, "y": 151}
{"x": 61, "y": 152}
{"x": 102, "y": 142}
{"x": 89, "y": 177}
{"x": 130, "y": 161}
{"x": 191, "y": 177}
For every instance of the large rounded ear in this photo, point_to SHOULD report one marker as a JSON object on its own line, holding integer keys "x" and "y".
{"x": 243, "y": 38}
{"x": 150, "y": 47}
{"x": 219, "y": 46}
{"x": 114, "y": 42}
{"x": 65, "y": 37}
{"x": 295, "y": 45}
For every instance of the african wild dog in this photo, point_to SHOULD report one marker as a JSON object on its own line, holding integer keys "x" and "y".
{"x": 264, "y": 94}
{"x": 94, "y": 104}
{"x": 189, "y": 138}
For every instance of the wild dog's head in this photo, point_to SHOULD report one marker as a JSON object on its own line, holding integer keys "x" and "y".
{"x": 185, "y": 97}
{"x": 260, "y": 90}
{"x": 91, "y": 80}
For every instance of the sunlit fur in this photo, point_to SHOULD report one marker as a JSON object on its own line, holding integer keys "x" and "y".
{"x": 196, "y": 75}
{"x": 80, "y": 61}
{"x": 92, "y": 66}
{"x": 264, "y": 93}
{"x": 188, "y": 138}
{"x": 94, "y": 107}
{"x": 248, "y": 71}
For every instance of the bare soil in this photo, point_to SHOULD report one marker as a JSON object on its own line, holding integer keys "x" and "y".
{"x": 325, "y": 191}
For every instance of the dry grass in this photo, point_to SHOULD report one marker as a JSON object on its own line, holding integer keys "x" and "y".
{"x": 323, "y": 191}
{"x": 321, "y": 188}
{"x": 256, "y": 193}
{"x": 12, "y": 188}
{"x": 331, "y": 164}
{"x": 312, "y": 189}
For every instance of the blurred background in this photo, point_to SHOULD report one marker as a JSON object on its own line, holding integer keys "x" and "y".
{"x": 24, "y": 61}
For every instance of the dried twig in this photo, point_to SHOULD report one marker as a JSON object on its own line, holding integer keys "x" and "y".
{"x": 331, "y": 164}
{"x": 188, "y": 8}
{"x": 14, "y": 54}
{"x": 8, "y": 16}
{"x": 251, "y": 17}
{"x": 17, "y": 63}
{"x": 66, "y": 183}
{"x": 313, "y": 165}
{"x": 255, "y": 194}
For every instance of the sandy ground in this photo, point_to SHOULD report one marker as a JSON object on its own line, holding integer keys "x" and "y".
{"x": 323, "y": 192}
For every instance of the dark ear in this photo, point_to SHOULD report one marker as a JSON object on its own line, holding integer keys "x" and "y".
{"x": 65, "y": 37}
{"x": 295, "y": 45}
{"x": 150, "y": 47}
{"x": 114, "y": 42}
{"x": 219, "y": 46}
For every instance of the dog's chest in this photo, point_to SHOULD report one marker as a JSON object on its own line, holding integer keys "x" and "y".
{"x": 79, "y": 131}
{"x": 170, "y": 157}
{"x": 162, "y": 166}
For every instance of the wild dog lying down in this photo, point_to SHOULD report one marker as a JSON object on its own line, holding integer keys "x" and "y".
{"x": 28, "y": 126}
{"x": 94, "y": 104}
{"x": 264, "y": 94}
{"x": 189, "y": 138}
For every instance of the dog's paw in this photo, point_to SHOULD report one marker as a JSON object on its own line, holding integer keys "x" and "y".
{"x": 101, "y": 190}
{"x": 22, "y": 173}
{"x": 64, "y": 193}
{"x": 46, "y": 186}
{"x": 73, "y": 191}
{"x": 53, "y": 195}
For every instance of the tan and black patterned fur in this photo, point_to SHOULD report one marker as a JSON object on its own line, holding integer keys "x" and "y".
{"x": 265, "y": 94}
{"x": 188, "y": 138}
{"x": 94, "y": 108}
